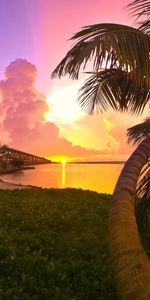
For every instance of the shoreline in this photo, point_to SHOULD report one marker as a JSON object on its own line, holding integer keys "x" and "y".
{"x": 4, "y": 185}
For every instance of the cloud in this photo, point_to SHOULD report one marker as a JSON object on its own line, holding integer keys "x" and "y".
{"x": 117, "y": 125}
{"x": 105, "y": 132}
{"x": 23, "y": 125}
{"x": 22, "y": 120}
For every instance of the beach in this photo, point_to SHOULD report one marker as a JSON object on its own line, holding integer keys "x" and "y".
{"x": 11, "y": 186}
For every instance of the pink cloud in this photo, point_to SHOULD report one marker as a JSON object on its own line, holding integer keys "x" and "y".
{"x": 22, "y": 107}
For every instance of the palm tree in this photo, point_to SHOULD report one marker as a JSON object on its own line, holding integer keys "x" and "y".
{"x": 120, "y": 79}
{"x": 135, "y": 135}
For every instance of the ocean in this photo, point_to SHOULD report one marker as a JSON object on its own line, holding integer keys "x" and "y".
{"x": 95, "y": 177}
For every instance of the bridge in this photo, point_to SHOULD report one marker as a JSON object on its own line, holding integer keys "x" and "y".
{"x": 9, "y": 154}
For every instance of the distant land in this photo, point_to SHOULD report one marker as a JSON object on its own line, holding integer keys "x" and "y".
{"x": 94, "y": 162}
{"x": 97, "y": 162}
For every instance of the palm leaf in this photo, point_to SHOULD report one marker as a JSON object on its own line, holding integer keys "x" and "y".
{"x": 143, "y": 194}
{"x": 135, "y": 135}
{"x": 109, "y": 45}
{"x": 113, "y": 88}
{"x": 145, "y": 26}
{"x": 139, "y": 132}
{"x": 139, "y": 8}
{"x": 143, "y": 186}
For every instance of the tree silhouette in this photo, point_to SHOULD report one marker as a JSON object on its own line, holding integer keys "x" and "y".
{"x": 120, "y": 79}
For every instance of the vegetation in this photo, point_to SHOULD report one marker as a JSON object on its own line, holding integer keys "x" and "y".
{"x": 54, "y": 245}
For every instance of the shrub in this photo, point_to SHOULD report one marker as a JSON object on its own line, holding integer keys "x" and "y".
{"x": 54, "y": 245}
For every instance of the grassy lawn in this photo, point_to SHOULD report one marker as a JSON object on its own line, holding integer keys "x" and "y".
{"x": 54, "y": 245}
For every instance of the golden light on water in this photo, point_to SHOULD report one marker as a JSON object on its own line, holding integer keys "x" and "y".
{"x": 92, "y": 177}
{"x": 63, "y": 173}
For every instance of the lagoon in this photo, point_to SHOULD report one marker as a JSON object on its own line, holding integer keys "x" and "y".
{"x": 95, "y": 177}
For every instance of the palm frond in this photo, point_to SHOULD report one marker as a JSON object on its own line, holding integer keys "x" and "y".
{"x": 145, "y": 26}
{"x": 143, "y": 186}
{"x": 139, "y": 132}
{"x": 139, "y": 8}
{"x": 109, "y": 45}
{"x": 113, "y": 88}
{"x": 143, "y": 194}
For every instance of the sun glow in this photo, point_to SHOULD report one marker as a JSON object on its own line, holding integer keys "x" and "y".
{"x": 61, "y": 159}
{"x": 63, "y": 105}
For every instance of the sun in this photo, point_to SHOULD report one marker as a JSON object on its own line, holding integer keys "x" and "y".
{"x": 63, "y": 105}
{"x": 61, "y": 159}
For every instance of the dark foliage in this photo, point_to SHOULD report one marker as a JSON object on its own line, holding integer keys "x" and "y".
{"x": 54, "y": 245}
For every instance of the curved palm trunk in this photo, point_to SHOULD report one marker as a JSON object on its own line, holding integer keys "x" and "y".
{"x": 130, "y": 264}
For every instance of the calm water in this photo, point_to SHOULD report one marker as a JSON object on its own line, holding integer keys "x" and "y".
{"x": 95, "y": 177}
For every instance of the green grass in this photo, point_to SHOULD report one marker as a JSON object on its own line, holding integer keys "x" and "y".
{"x": 54, "y": 245}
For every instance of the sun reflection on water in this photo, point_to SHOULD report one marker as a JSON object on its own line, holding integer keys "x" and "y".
{"x": 95, "y": 177}
{"x": 63, "y": 173}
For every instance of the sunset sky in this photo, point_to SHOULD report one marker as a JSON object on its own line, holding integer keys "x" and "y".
{"x": 40, "y": 115}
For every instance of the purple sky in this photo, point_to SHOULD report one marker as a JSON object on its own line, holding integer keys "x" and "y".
{"x": 37, "y": 32}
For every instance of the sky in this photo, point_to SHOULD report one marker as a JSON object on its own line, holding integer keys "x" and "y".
{"x": 40, "y": 115}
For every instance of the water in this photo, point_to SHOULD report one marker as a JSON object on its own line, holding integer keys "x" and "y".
{"x": 95, "y": 177}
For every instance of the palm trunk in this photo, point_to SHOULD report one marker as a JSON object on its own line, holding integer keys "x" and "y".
{"x": 130, "y": 264}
